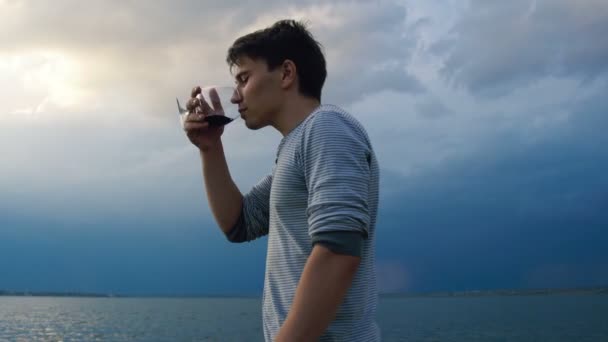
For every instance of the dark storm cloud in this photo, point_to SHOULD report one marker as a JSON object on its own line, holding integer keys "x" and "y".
{"x": 496, "y": 47}
{"x": 516, "y": 214}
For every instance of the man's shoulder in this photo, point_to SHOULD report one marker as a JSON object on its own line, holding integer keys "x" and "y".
{"x": 330, "y": 118}
{"x": 329, "y": 111}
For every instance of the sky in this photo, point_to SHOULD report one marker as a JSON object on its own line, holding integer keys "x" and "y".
{"x": 488, "y": 119}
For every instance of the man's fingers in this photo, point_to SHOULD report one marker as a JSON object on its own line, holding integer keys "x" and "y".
{"x": 206, "y": 109}
{"x": 196, "y": 126}
{"x": 198, "y": 104}
{"x": 193, "y": 101}
{"x": 192, "y": 104}
{"x": 215, "y": 100}
{"x": 195, "y": 91}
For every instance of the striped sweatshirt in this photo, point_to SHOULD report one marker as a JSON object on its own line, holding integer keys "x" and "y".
{"x": 325, "y": 180}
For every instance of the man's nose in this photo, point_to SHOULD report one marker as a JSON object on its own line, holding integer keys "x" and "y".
{"x": 236, "y": 97}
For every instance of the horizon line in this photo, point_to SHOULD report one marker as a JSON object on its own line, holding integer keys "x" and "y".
{"x": 449, "y": 293}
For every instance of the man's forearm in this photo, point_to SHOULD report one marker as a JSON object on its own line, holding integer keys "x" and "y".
{"x": 224, "y": 197}
{"x": 326, "y": 279}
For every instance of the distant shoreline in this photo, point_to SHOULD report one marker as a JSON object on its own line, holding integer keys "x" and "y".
{"x": 504, "y": 292}
{"x": 7, "y": 293}
{"x": 474, "y": 293}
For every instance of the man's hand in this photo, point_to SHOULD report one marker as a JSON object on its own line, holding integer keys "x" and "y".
{"x": 326, "y": 278}
{"x": 200, "y": 133}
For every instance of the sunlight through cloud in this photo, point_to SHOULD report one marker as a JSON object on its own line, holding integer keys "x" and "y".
{"x": 42, "y": 82}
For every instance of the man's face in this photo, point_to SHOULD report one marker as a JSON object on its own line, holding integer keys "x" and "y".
{"x": 259, "y": 92}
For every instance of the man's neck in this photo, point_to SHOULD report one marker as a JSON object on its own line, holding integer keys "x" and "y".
{"x": 294, "y": 113}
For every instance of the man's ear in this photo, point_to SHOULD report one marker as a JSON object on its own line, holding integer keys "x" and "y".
{"x": 289, "y": 74}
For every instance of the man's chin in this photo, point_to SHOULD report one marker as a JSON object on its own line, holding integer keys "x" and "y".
{"x": 253, "y": 125}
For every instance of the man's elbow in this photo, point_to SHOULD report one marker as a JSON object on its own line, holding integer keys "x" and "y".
{"x": 237, "y": 232}
{"x": 236, "y": 235}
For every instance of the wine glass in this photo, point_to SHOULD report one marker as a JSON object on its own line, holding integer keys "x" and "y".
{"x": 218, "y": 104}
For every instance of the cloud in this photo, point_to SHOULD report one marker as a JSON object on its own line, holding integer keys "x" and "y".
{"x": 515, "y": 213}
{"x": 83, "y": 171}
{"x": 123, "y": 57}
{"x": 370, "y": 53}
{"x": 497, "y": 47}
{"x": 366, "y": 46}
{"x": 431, "y": 108}
{"x": 472, "y": 183}
{"x": 90, "y": 95}
{"x": 416, "y": 123}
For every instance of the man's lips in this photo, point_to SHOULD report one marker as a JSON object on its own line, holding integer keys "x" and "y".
{"x": 242, "y": 110}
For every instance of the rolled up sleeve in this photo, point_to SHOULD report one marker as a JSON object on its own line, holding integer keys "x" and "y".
{"x": 335, "y": 158}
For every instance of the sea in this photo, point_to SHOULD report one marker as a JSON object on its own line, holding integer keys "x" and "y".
{"x": 487, "y": 318}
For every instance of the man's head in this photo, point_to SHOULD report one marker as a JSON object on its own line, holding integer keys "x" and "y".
{"x": 271, "y": 64}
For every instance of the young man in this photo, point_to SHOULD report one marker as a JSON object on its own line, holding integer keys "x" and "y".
{"x": 318, "y": 206}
